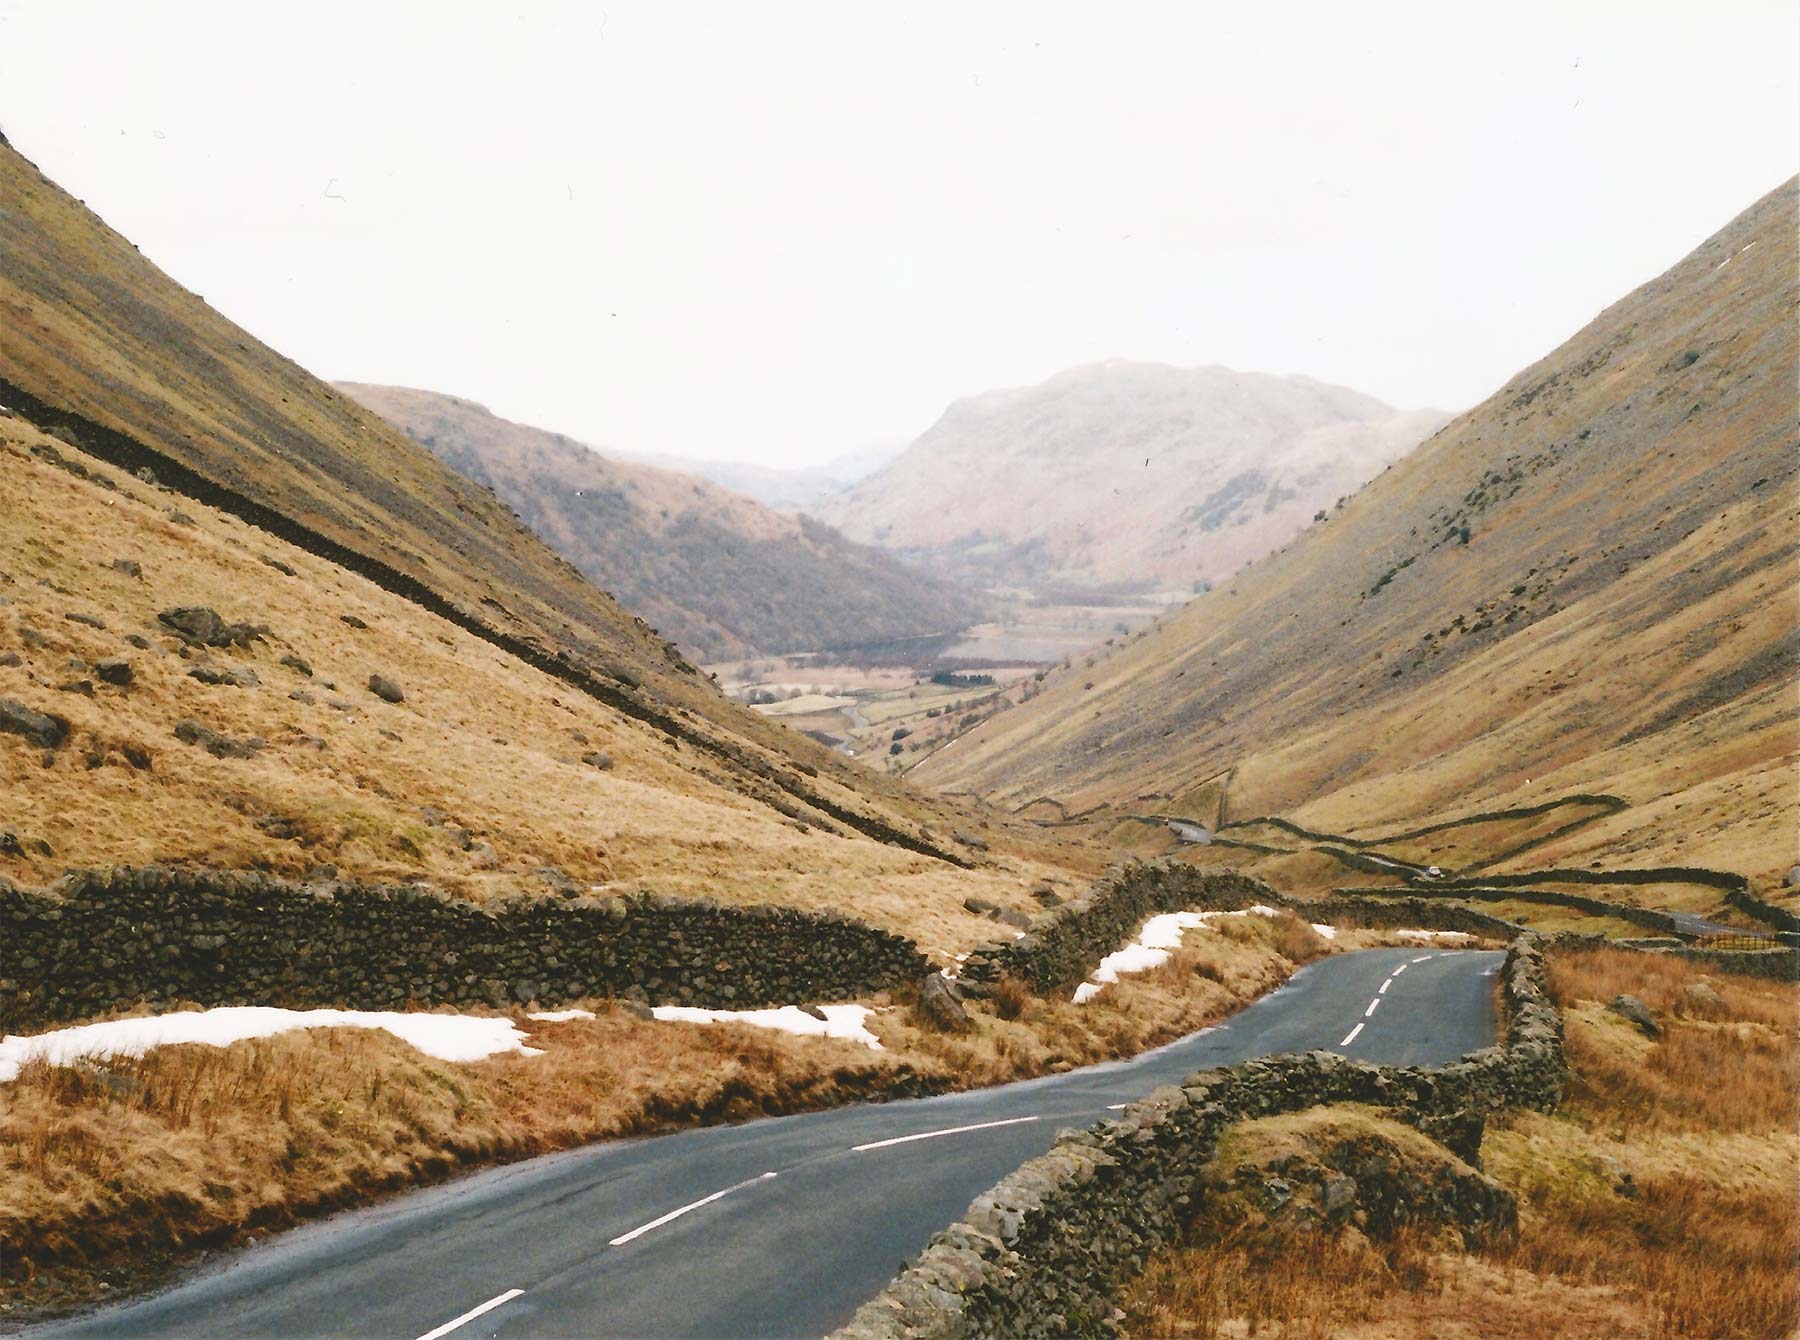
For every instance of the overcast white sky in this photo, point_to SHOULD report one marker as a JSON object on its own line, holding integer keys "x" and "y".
{"x": 777, "y": 232}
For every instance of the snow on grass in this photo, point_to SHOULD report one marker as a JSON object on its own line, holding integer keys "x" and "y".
{"x": 559, "y": 1016}
{"x": 449, "y": 1037}
{"x": 1435, "y": 937}
{"x": 1324, "y": 933}
{"x": 840, "y": 1021}
{"x": 1160, "y": 936}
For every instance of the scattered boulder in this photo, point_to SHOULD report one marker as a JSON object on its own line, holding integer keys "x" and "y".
{"x": 86, "y": 619}
{"x": 352, "y": 620}
{"x": 236, "y": 677}
{"x": 1702, "y": 996}
{"x": 969, "y": 839}
{"x": 941, "y": 1007}
{"x": 1012, "y": 916}
{"x": 137, "y": 756}
{"x": 115, "y": 670}
{"x": 30, "y": 636}
{"x": 11, "y": 658}
{"x": 85, "y": 687}
{"x": 385, "y": 689}
{"x": 138, "y": 640}
{"x": 179, "y": 517}
{"x": 558, "y": 880}
{"x": 1047, "y": 896}
{"x": 278, "y": 565}
{"x": 129, "y": 566}
{"x": 814, "y": 1011}
{"x": 192, "y": 732}
{"x": 636, "y": 1008}
{"x": 302, "y": 696}
{"x": 981, "y": 907}
{"x": 595, "y": 759}
{"x": 1634, "y": 1011}
{"x": 1792, "y": 878}
{"x": 40, "y": 728}
{"x": 297, "y": 665}
{"x": 202, "y": 626}
{"x": 11, "y": 844}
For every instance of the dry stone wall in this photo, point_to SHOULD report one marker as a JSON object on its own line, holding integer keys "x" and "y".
{"x": 102, "y": 940}
{"x": 1066, "y": 942}
{"x": 1040, "y": 1254}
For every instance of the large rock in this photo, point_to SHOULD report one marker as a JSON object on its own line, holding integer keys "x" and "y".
{"x": 941, "y": 1007}
{"x": 203, "y": 626}
{"x": 1635, "y": 1011}
{"x": 385, "y": 689}
{"x": 40, "y": 728}
{"x": 219, "y": 746}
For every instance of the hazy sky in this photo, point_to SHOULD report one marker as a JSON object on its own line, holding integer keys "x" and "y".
{"x": 777, "y": 232}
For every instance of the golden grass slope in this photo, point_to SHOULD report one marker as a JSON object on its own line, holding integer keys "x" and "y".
{"x": 1620, "y": 618}
{"x": 345, "y": 778}
{"x": 90, "y": 328}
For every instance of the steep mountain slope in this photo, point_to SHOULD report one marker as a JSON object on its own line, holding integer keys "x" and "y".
{"x": 722, "y": 575}
{"x": 103, "y": 349}
{"x": 1584, "y": 584}
{"x": 1132, "y": 475}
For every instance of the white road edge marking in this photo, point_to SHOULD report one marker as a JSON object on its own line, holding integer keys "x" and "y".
{"x": 1117, "y": 1107}
{"x": 642, "y": 1229}
{"x": 472, "y": 1313}
{"x": 932, "y": 1135}
{"x": 1402, "y": 968}
{"x": 1351, "y": 1036}
{"x": 1421, "y": 958}
{"x": 1372, "y": 1005}
{"x": 1384, "y": 986}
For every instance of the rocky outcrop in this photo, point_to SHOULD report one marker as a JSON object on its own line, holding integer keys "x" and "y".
{"x": 1040, "y": 1253}
{"x": 103, "y": 940}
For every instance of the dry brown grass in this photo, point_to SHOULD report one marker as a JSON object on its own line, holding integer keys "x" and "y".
{"x": 1702, "y": 1241}
{"x": 491, "y": 743}
{"x": 130, "y": 1162}
{"x": 136, "y": 1161}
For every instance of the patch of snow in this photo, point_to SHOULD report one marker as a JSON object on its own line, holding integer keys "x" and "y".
{"x": 1325, "y": 933}
{"x": 840, "y": 1021}
{"x": 1435, "y": 937}
{"x": 449, "y": 1037}
{"x": 1734, "y": 255}
{"x": 1160, "y": 935}
{"x": 559, "y": 1016}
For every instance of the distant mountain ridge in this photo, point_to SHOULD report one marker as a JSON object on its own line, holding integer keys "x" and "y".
{"x": 1125, "y": 475}
{"x": 1584, "y": 584}
{"x": 720, "y": 573}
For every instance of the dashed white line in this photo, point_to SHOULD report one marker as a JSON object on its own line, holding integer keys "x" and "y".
{"x": 642, "y": 1229}
{"x": 1420, "y": 959}
{"x": 932, "y": 1135}
{"x": 1372, "y": 1005}
{"x": 1384, "y": 986}
{"x": 1402, "y": 968}
{"x": 472, "y": 1313}
{"x": 1117, "y": 1107}
{"x": 1351, "y": 1036}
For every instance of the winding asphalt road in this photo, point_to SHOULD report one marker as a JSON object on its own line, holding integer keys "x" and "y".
{"x": 779, "y": 1227}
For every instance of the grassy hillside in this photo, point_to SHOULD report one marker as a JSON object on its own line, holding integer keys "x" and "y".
{"x": 1584, "y": 584}
{"x": 1124, "y": 475}
{"x": 722, "y": 575}
{"x": 100, "y": 345}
